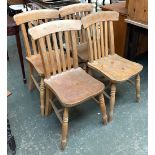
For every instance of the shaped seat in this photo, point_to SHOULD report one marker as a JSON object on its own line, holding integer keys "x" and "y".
{"x": 74, "y": 86}
{"x": 116, "y": 68}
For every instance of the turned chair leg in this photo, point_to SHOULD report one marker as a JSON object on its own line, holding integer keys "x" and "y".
{"x": 103, "y": 108}
{"x": 64, "y": 129}
{"x": 30, "y": 84}
{"x": 112, "y": 101}
{"x": 138, "y": 88}
{"x": 42, "y": 96}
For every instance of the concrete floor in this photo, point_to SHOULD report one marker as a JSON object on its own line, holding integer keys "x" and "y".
{"x": 36, "y": 135}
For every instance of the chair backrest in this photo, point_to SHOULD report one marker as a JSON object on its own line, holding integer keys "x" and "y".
{"x": 56, "y": 34}
{"x": 77, "y": 11}
{"x": 30, "y": 19}
{"x": 100, "y": 33}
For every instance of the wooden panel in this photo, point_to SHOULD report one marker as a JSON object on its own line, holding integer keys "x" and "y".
{"x": 120, "y": 28}
{"x": 138, "y": 10}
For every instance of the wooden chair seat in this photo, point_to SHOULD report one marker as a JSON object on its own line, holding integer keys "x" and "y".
{"x": 36, "y": 61}
{"x": 116, "y": 68}
{"x": 74, "y": 86}
{"x": 83, "y": 52}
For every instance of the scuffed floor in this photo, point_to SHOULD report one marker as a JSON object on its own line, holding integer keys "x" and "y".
{"x": 35, "y": 135}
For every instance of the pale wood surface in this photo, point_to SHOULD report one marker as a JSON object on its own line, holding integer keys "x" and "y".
{"x": 33, "y": 15}
{"x": 58, "y": 26}
{"x": 74, "y": 86}
{"x": 71, "y": 9}
{"x": 100, "y": 17}
{"x": 116, "y": 68}
{"x": 137, "y": 23}
{"x": 138, "y": 10}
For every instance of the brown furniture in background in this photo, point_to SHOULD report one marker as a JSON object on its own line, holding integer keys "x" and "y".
{"x": 70, "y": 84}
{"x": 13, "y": 29}
{"x": 135, "y": 10}
{"x": 103, "y": 58}
{"x": 138, "y": 10}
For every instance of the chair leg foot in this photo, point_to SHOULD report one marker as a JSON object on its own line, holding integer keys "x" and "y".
{"x": 64, "y": 129}
{"x": 42, "y": 96}
{"x": 138, "y": 88}
{"x": 112, "y": 101}
{"x": 103, "y": 108}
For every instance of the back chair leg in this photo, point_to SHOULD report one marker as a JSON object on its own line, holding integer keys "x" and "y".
{"x": 103, "y": 108}
{"x": 48, "y": 107}
{"x": 42, "y": 95}
{"x": 30, "y": 84}
{"x": 138, "y": 88}
{"x": 64, "y": 129}
{"x": 112, "y": 101}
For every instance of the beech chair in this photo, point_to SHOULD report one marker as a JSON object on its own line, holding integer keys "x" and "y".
{"x": 70, "y": 84}
{"x": 103, "y": 57}
{"x": 31, "y": 19}
{"x": 77, "y": 11}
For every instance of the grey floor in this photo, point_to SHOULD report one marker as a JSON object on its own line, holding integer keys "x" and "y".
{"x": 36, "y": 135}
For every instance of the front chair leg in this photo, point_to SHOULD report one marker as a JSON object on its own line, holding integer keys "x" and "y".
{"x": 138, "y": 88}
{"x": 31, "y": 83}
{"x": 64, "y": 129}
{"x": 112, "y": 101}
{"x": 103, "y": 108}
{"x": 42, "y": 95}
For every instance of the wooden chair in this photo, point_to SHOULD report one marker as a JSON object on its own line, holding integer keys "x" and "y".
{"x": 70, "y": 83}
{"x": 77, "y": 11}
{"x": 102, "y": 53}
{"x": 31, "y": 19}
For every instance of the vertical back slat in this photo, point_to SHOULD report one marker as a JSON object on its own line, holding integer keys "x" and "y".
{"x": 94, "y": 41}
{"x": 44, "y": 57}
{"x": 67, "y": 50}
{"x": 63, "y": 59}
{"x": 83, "y": 30}
{"x": 33, "y": 42}
{"x": 102, "y": 38}
{"x": 111, "y": 35}
{"x": 57, "y": 55}
{"x": 75, "y": 58}
{"x": 106, "y": 37}
{"x": 90, "y": 45}
{"x": 98, "y": 40}
{"x": 26, "y": 42}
